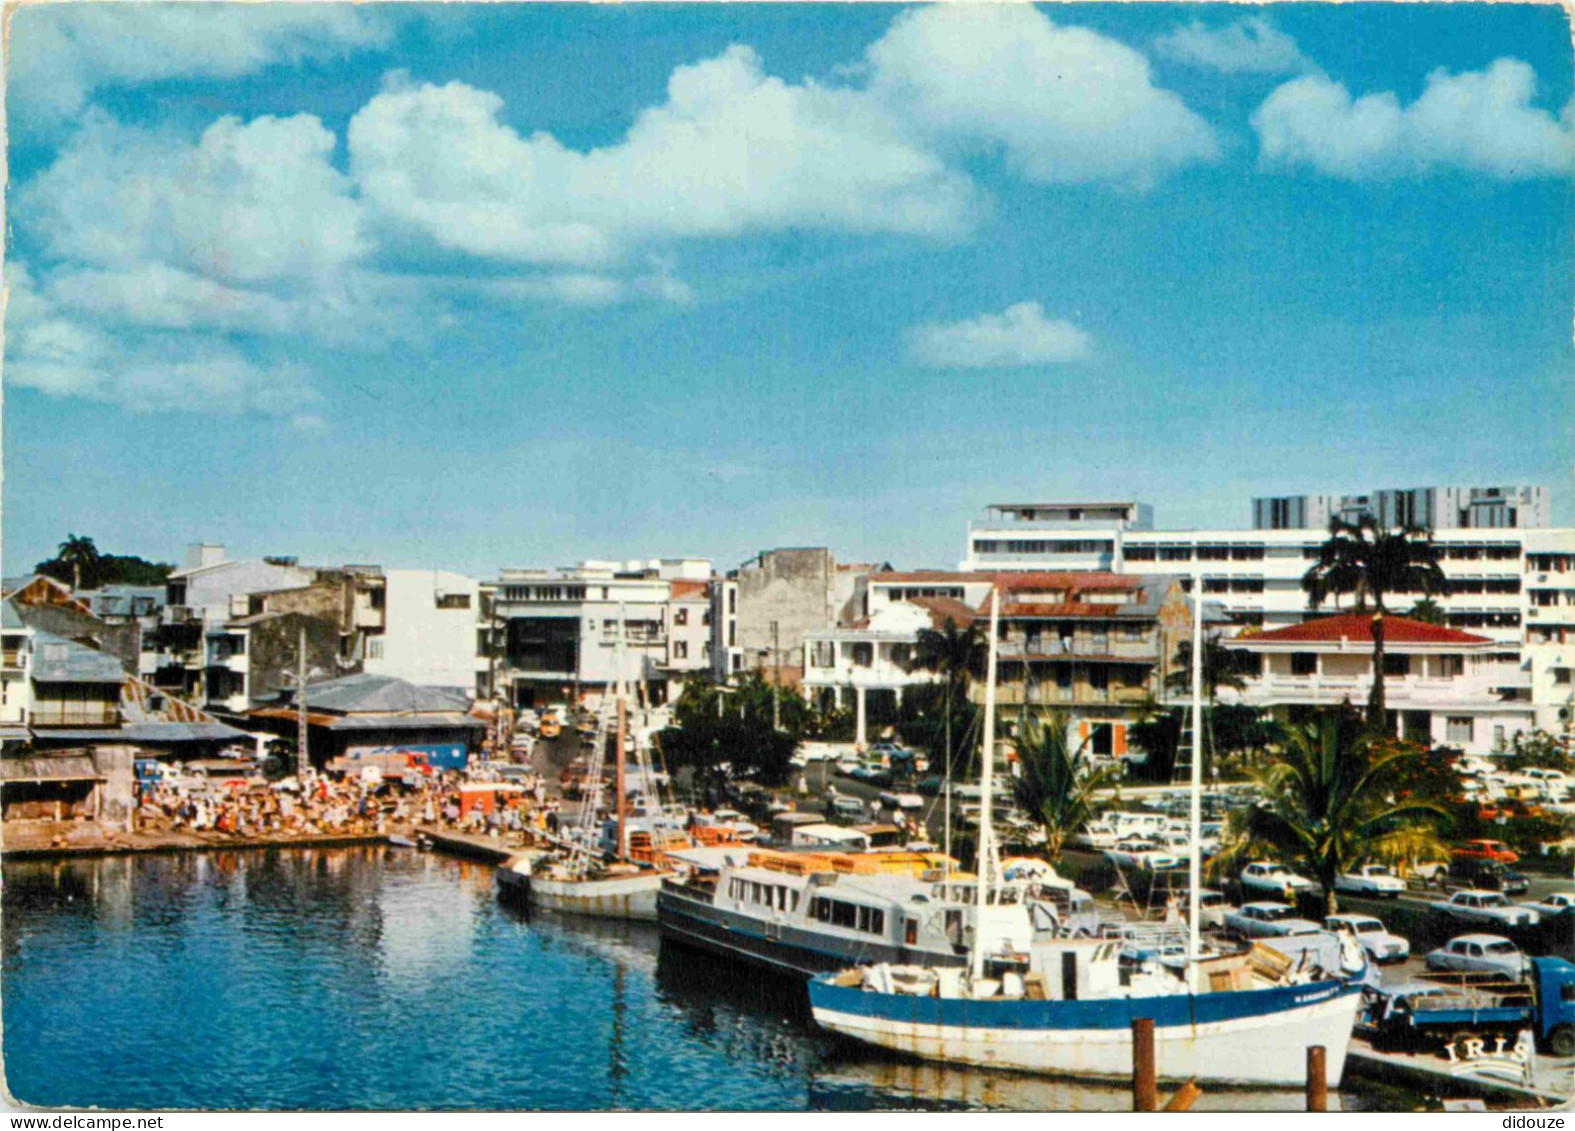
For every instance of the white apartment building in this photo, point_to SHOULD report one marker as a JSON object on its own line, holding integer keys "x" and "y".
{"x": 872, "y": 656}
{"x": 1504, "y": 568}
{"x": 430, "y": 636}
{"x": 1443, "y": 686}
{"x": 554, "y": 633}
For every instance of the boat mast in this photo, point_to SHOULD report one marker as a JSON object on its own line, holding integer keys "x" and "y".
{"x": 1195, "y": 830}
{"x": 986, "y": 862}
{"x": 618, "y": 781}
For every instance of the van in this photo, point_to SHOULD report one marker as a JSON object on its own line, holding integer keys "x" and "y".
{"x": 848, "y": 807}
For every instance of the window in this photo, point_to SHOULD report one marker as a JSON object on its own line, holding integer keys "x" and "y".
{"x": 1098, "y": 677}
{"x": 448, "y": 600}
{"x": 681, "y": 649}
{"x": 844, "y": 914}
{"x": 863, "y": 654}
{"x": 1561, "y": 676}
{"x": 1450, "y": 667}
{"x": 379, "y": 597}
{"x": 680, "y": 616}
{"x": 1304, "y": 663}
{"x": 822, "y": 655}
{"x": 374, "y": 647}
{"x": 1396, "y": 664}
{"x": 1459, "y": 728}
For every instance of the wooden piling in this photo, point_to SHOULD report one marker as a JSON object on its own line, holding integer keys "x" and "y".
{"x": 1317, "y": 1080}
{"x": 1185, "y": 1097}
{"x": 1145, "y": 1094}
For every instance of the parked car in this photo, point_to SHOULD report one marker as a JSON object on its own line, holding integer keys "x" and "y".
{"x": 1381, "y": 944}
{"x": 1263, "y": 876}
{"x": 1371, "y": 879}
{"x": 1212, "y": 908}
{"x": 1495, "y": 850}
{"x": 1549, "y": 906}
{"x": 1268, "y": 920}
{"x": 1485, "y": 907}
{"x": 849, "y": 807}
{"x": 1488, "y": 875}
{"x": 1487, "y": 954}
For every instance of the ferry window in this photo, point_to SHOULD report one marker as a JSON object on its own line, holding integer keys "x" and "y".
{"x": 844, "y": 914}
{"x": 878, "y": 921}
{"x": 911, "y": 937}
{"x": 795, "y": 901}
{"x": 781, "y": 898}
{"x": 821, "y": 909}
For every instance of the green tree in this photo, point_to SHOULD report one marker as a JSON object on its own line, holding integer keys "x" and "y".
{"x": 1428, "y": 611}
{"x": 1336, "y": 795}
{"x": 82, "y": 557}
{"x": 1057, "y": 785}
{"x": 956, "y": 655}
{"x": 1364, "y": 559}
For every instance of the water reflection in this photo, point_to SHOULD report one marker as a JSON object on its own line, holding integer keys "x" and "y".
{"x": 382, "y": 978}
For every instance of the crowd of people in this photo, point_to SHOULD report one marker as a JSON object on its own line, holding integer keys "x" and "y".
{"x": 319, "y": 804}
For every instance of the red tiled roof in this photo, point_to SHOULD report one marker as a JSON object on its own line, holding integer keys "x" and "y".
{"x": 1359, "y": 626}
{"x": 684, "y": 588}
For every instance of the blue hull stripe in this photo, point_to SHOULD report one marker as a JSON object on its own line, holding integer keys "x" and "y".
{"x": 1107, "y": 1013}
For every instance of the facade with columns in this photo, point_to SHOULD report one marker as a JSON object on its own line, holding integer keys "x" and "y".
{"x": 1443, "y": 687}
{"x": 872, "y": 657}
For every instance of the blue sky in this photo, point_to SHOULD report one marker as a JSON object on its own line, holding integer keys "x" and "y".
{"x": 468, "y": 286}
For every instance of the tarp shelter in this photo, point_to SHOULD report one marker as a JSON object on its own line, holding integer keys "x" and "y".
{"x": 486, "y": 796}
{"x": 832, "y": 836}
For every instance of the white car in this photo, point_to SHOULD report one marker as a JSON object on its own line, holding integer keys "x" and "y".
{"x": 1212, "y": 908}
{"x": 1269, "y": 920}
{"x": 1559, "y": 903}
{"x": 1274, "y": 878}
{"x": 1479, "y": 953}
{"x": 1371, "y": 879}
{"x": 1381, "y": 944}
{"x": 1486, "y": 907}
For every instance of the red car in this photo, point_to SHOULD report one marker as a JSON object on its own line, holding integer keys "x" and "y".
{"x": 1487, "y": 850}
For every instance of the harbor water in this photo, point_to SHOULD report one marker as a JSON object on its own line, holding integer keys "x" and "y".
{"x": 381, "y": 978}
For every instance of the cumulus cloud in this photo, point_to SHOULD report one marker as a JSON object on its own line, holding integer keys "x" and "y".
{"x": 1064, "y": 105}
{"x": 1020, "y": 335}
{"x": 1252, "y": 45}
{"x": 1477, "y": 121}
{"x": 50, "y": 350}
{"x": 59, "y": 54}
{"x": 731, "y": 150}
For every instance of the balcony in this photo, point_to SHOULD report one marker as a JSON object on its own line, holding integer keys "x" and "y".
{"x": 55, "y": 713}
{"x": 1054, "y": 648}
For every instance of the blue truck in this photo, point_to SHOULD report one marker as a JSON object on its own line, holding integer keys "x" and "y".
{"x": 1446, "y": 1008}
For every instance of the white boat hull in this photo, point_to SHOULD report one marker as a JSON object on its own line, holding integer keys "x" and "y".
{"x": 619, "y": 897}
{"x": 1255, "y": 1051}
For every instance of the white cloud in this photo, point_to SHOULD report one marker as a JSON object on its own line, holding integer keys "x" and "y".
{"x": 59, "y": 54}
{"x": 1252, "y": 45}
{"x": 1064, "y": 105}
{"x": 1020, "y": 335}
{"x": 1478, "y": 121}
{"x": 731, "y": 150}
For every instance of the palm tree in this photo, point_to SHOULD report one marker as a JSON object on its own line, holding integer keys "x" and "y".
{"x": 81, "y": 555}
{"x": 1363, "y": 558}
{"x": 1335, "y": 796}
{"x": 956, "y": 654}
{"x": 1057, "y": 786}
{"x": 1428, "y": 611}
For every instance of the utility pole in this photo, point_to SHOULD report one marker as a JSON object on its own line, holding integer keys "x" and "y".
{"x": 776, "y": 684}
{"x": 301, "y": 760}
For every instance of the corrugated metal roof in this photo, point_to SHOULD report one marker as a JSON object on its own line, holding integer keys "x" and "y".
{"x": 363, "y": 693}
{"x": 57, "y": 660}
{"x": 42, "y": 767}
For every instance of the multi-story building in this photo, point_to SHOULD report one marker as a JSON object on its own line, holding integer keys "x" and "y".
{"x": 775, "y": 598}
{"x": 556, "y": 634}
{"x": 229, "y": 634}
{"x": 1443, "y": 687}
{"x": 433, "y": 635}
{"x": 1435, "y": 508}
{"x": 1500, "y": 557}
{"x": 727, "y": 658}
{"x": 1094, "y": 645}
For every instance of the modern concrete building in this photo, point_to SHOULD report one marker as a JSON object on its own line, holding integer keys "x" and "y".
{"x": 432, "y": 631}
{"x": 1442, "y": 686}
{"x": 554, "y": 634}
{"x": 1436, "y": 508}
{"x": 1502, "y": 561}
